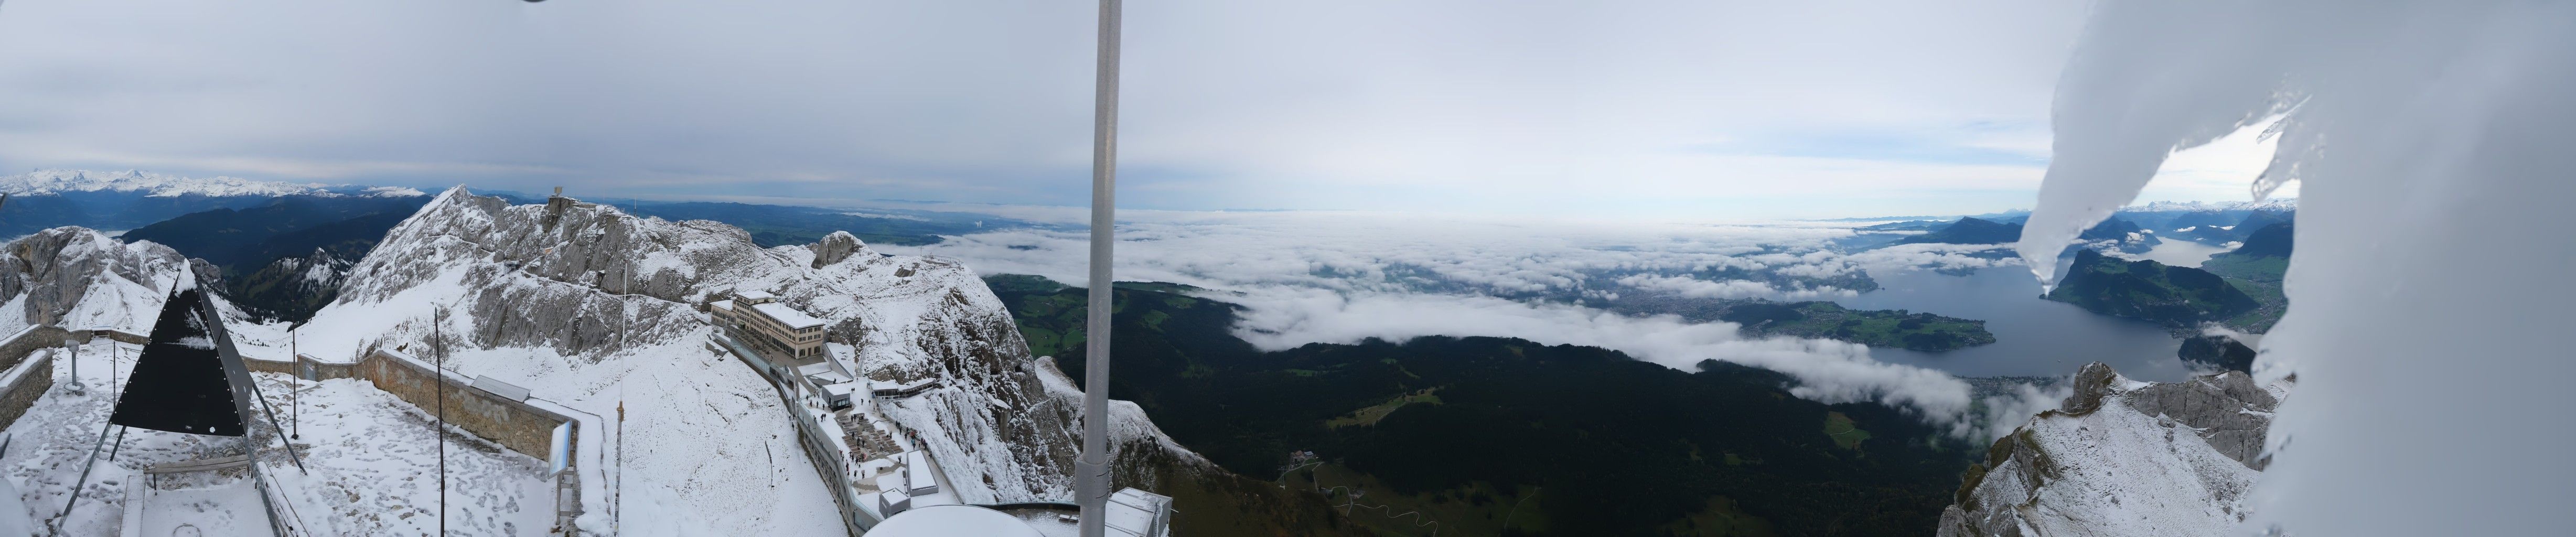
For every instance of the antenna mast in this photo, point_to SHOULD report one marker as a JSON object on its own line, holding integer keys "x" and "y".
{"x": 1091, "y": 472}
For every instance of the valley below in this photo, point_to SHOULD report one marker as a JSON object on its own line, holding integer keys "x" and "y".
{"x": 1505, "y": 435}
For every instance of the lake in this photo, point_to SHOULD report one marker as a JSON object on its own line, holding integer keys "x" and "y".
{"x": 2033, "y": 336}
{"x": 2181, "y": 253}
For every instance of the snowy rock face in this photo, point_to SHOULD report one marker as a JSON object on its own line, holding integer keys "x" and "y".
{"x": 78, "y": 278}
{"x": 584, "y": 282}
{"x": 318, "y": 273}
{"x": 1140, "y": 455}
{"x": 2123, "y": 458}
{"x": 838, "y": 246}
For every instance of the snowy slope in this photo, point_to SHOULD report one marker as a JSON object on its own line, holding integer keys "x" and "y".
{"x": 2123, "y": 458}
{"x": 589, "y": 306}
{"x": 368, "y": 465}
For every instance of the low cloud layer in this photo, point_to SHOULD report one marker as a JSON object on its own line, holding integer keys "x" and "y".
{"x": 1340, "y": 277}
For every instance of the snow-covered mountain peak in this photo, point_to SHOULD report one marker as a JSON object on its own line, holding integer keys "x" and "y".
{"x": 77, "y": 277}
{"x": 2273, "y": 204}
{"x": 578, "y": 301}
{"x": 2123, "y": 457}
{"x": 151, "y": 184}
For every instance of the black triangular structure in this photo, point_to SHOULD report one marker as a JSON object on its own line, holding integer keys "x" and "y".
{"x": 188, "y": 379}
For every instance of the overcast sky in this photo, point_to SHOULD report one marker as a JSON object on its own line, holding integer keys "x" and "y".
{"x": 1656, "y": 109}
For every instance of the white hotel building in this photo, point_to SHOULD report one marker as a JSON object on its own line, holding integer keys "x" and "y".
{"x": 756, "y": 318}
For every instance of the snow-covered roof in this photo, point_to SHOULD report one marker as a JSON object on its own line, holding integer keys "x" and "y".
{"x": 726, "y": 305}
{"x": 754, "y": 296}
{"x": 901, "y": 386}
{"x": 924, "y": 474}
{"x": 949, "y": 520}
{"x": 497, "y": 387}
{"x": 787, "y": 316}
{"x": 1136, "y": 512}
{"x": 823, "y": 371}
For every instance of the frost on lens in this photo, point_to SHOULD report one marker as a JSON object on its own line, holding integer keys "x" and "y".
{"x": 2430, "y": 140}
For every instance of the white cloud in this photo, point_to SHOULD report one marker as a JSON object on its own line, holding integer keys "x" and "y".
{"x": 1343, "y": 276}
{"x": 1827, "y": 370}
{"x": 1698, "y": 288}
{"x": 1613, "y": 108}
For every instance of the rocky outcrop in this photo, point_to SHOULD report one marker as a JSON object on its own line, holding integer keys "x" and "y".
{"x": 2219, "y": 351}
{"x": 2123, "y": 457}
{"x": 2180, "y": 298}
{"x": 292, "y": 288}
{"x": 79, "y": 277}
{"x": 838, "y": 246}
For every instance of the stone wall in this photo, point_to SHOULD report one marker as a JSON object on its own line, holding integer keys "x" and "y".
{"x": 516, "y": 425}
{"x": 27, "y": 341}
{"x": 256, "y": 365}
{"x": 513, "y": 424}
{"x": 120, "y": 336}
{"x": 317, "y": 369}
{"x": 23, "y": 385}
{"x": 24, "y": 382}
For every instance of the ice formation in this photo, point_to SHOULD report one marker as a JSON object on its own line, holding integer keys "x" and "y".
{"x": 2431, "y": 146}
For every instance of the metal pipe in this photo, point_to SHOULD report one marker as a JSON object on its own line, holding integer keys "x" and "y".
{"x": 1091, "y": 473}
{"x": 86, "y": 465}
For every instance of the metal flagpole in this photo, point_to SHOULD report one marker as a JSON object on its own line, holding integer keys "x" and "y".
{"x": 438, "y": 342}
{"x": 1091, "y": 473}
{"x": 272, "y": 422}
{"x": 295, "y": 395}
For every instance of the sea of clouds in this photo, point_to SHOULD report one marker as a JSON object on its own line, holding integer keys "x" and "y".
{"x": 1344, "y": 276}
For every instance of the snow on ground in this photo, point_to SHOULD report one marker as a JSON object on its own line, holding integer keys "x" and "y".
{"x": 2124, "y": 458}
{"x": 373, "y": 468}
{"x": 370, "y": 464}
{"x": 2126, "y": 473}
{"x": 709, "y": 449}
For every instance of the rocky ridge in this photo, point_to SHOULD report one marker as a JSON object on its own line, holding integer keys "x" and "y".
{"x": 574, "y": 285}
{"x": 78, "y": 277}
{"x": 2123, "y": 457}
{"x": 595, "y": 309}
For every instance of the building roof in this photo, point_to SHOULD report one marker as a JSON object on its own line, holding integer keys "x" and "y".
{"x": 721, "y": 304}
{"x": 823, "y": 373}
{"x": 924, "y": 474}
{"x": 888, "y": 385}
{"x": 1133, "y": 512}
{"x": 497, "y": 387}
{"x": 786, "y": 315}
{"x": 753, "y": 296}
{"x": 953, "y": 520}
